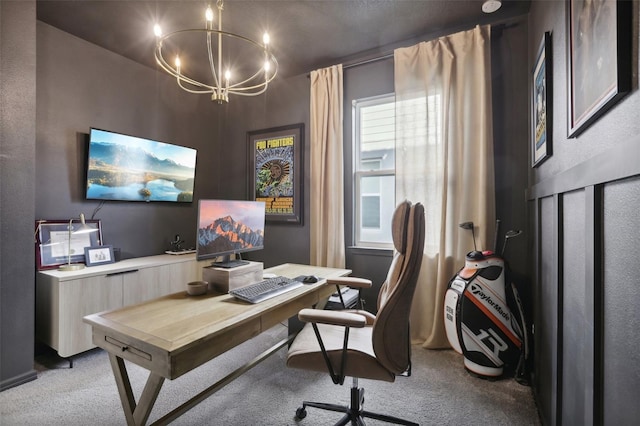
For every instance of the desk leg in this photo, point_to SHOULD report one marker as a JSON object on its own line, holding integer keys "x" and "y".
{"x": 222, "y": 382}
{"x": 136, "y": 414}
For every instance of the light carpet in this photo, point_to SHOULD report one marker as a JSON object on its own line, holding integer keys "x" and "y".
{"x": 439, "y": 391}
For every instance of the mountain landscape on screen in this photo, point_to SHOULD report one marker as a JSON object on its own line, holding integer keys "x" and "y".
{"x": 225, "y": 235}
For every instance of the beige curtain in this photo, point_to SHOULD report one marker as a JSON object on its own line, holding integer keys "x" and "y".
{"x": 444, "y": 159}
{"x": 327, "y": 176}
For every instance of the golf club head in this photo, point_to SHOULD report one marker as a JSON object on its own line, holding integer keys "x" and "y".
{"x": 470, "y": 226}
{"x": 510, "y": 234}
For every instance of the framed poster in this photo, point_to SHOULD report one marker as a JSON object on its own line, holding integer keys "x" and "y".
{"x": 63, "y": 241}
{"x": 542, "y": 108}
{"x": 599, "y": 59}
{"x": 276, "y": 171}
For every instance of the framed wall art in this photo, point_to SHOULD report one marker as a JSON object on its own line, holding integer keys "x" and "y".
{"x": 276, "y": 171}
{"x": 542, "y": 105}
{"x": 63, "y": 241}
{"x": 599, "y": 45}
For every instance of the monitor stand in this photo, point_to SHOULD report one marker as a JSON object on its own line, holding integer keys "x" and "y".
{"x": 229, "y": 263}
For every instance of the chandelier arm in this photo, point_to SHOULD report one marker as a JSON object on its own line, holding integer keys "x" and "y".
{"x": 212, "y": 65}
{"x": 182, "y": 78}
{"x": 179, "y": 76}
{"x": 264, "y": 89}
{"x": 238, "y": 85}
{"x": 235, "y": 87}
{"x": 240, "y": 90}
{"x": 197, "y": 92}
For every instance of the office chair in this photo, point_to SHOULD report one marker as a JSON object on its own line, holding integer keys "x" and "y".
{"x": 358, "y": 344}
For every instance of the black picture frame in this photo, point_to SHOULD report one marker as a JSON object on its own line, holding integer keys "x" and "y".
{"x": 52, "y": 242}
{"x": 276, "y": 171}
{"x": 599, "y": 46}
{"x": 542, "y": 103}
{"x": 98, "y": 255}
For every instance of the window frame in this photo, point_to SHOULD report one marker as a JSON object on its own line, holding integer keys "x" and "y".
{"x": 358, "y": 175}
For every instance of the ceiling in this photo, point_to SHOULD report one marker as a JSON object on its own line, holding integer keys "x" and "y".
{"x": 305, "y": 34}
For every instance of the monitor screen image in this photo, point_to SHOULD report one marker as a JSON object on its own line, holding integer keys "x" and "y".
{"x": 128, "y": 168}
{"x": 227, "y": 227}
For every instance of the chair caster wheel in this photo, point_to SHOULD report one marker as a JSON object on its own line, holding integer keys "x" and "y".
{"x": 301, "y": 413}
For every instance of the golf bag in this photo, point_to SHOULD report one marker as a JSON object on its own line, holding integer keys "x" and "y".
{"x": 480, "y": 323}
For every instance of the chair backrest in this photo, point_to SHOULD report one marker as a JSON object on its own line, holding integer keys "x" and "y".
{"x": 391, "y": 338}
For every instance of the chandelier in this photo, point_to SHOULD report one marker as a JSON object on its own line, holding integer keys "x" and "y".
{"x": 256, "y": 69}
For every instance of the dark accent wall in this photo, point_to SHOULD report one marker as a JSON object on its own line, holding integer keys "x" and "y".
{"x": 286, "y": 102}
{"x": 583, "y": 209}
{"x": 17, "y": 168}
{"x": 80, "y": 86}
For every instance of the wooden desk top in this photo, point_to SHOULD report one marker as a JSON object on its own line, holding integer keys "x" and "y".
{"x": 173, "y": 334}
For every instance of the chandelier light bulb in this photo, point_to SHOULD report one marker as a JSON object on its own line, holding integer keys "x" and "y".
{"x": 178, "y": 62}
{"x": 209, "y": 14}
{"x": 267, "y": 66}
{"x": 157, "y": 30}
{"x": 266, "y": 39}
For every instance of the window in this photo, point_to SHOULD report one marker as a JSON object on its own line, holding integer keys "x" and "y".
{"x": 374, "y": 170}
{"x": 374, "y": 178}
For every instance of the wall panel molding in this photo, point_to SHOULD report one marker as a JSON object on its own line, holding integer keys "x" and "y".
{"x": 615, "y": 164}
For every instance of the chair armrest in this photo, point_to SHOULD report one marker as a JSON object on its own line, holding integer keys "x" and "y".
{"x": 352, "y": 282}
{"x": 339, "y": 318}
{"x": 368, "y": 315}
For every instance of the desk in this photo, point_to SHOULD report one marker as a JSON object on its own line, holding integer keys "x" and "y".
{"x": 174, "y": 334}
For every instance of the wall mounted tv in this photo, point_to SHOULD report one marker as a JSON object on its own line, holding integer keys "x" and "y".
{"x": 128, "y": 168}
{"x": 227, "y": 227}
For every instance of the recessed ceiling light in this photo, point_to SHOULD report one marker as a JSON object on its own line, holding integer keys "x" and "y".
{"x": 491, "y": 6}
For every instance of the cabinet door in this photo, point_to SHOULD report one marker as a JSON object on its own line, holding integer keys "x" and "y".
{"x": 79, "y": 298}
{"x": 149, "y": 283}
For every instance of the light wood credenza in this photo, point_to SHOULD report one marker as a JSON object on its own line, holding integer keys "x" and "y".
{"x": 64, "y": 298}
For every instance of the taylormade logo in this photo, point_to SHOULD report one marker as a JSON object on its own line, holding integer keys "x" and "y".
{"x": 479, "y": 292}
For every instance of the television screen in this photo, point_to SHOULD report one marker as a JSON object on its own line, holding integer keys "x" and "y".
{"x": 227, "y": 227}
{"x": 128, "y": 168}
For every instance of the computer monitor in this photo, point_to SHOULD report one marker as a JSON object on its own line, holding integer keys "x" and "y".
{"x": 229, "y": 227}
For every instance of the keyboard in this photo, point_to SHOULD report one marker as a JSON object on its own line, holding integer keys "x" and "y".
{"x": 265, "y": 289}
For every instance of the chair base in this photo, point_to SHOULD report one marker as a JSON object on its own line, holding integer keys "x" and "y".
{"x": 354, "y": 413}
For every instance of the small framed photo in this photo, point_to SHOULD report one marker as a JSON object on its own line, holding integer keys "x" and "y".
{"x": 99, "y": 255}
{"x": 542, "y": 105}
{"x": 63, "y": 241}
{"x": 276, "y": 171}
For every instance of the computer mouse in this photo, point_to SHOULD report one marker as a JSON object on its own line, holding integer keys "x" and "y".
{"x": 310, "y": 279}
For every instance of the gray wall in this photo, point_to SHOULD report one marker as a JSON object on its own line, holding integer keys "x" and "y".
{"x": 17, "y": 168}
{"x": 584, "y": 221}
{"x": 286, "y": 102}
{"x": 80, "y": 86}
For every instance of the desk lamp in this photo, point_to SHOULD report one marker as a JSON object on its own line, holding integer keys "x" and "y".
{"x": 83, "y": 229}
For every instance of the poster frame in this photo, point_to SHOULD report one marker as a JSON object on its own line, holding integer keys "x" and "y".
{"x": 268, "y": 156}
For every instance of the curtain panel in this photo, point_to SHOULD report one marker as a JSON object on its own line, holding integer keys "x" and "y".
{"x": 327, "y": 172}
{"x": 444, "y": 159}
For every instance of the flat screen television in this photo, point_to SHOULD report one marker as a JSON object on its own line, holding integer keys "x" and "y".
{"x": 229, "y": 227}
{"x": 128, "y": 168}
